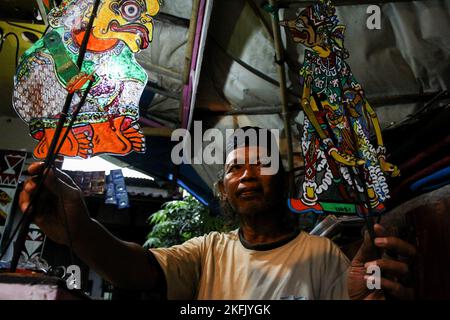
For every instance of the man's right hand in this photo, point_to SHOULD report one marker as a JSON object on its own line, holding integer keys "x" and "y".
{"x": 60, "y": 203}
{"x": 124, "y": 264}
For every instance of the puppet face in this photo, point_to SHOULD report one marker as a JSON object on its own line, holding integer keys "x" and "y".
{"x": 317, "y": 29}
{"x": 127, "y": 20}
{"x": 303, "y": 29}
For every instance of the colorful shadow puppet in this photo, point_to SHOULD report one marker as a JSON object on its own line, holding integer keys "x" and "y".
{"x": 338, "y": 124}
{"x": 107, "y": 122}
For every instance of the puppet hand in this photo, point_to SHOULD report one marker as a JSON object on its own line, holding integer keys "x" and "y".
{"x": 389, "y": 168}
{"x": 393, "y": 272}
{"x": 346, "y": 159}
{"x": 59, "y": 205}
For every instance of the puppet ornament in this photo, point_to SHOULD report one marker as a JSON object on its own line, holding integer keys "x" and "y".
{"x": 47, "y": 73}
{"x": 340, "y": 160}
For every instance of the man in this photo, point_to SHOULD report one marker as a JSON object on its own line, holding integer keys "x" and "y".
{"x": 266, "y": 258}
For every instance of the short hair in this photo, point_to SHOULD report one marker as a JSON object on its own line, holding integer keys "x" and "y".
{"x": 235, "y": 141}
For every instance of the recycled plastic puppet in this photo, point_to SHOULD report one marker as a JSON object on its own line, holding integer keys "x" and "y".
{"x": 107, "y": 122}
{"x": 338, "y": 122}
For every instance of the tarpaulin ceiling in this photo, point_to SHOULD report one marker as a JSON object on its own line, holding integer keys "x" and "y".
{"x": 409, "y": 54}
{"x": 401, "y": 66}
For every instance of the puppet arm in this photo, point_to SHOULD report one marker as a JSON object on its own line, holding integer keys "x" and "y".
{"x": 387, "y": 167}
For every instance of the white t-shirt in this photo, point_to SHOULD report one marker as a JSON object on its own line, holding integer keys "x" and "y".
{"x": 217, "y": 266}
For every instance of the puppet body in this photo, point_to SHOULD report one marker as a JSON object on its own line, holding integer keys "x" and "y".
{"x": 108, "y": 120}
{"x": 339, "y": 121}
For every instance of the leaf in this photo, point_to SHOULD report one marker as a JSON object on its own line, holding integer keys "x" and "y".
{"x": 181, "y": 220}
{"x": 152, "y": 242}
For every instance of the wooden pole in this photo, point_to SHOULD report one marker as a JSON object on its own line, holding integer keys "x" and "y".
{"x": 189, "y": 51}
{"x": 279, "y": 53}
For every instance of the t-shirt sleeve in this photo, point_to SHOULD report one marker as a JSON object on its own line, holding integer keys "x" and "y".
{"x": 181, "y": 265}
{"x": 334, "y": 276}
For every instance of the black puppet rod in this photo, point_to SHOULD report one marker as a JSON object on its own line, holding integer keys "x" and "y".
{"x": 53, "y": 151}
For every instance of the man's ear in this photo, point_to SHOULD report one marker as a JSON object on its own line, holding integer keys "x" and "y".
{"x": 221, "y": 190}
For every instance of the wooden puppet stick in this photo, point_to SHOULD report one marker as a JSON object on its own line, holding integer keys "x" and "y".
{"x": 27, "y": 218}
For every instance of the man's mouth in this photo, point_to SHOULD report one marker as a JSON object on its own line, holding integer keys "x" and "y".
{"x": 138, "y": 29}
{"x": 249, "y": 192}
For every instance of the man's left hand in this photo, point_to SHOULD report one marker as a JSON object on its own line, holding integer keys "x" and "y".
{"x": 395, "y": 272}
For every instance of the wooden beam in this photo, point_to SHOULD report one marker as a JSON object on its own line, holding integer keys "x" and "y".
{"x": 189, "y": 51}
{"x": 157, "y": 132}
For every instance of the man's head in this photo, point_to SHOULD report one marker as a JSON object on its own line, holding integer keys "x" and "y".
{"x": 246, "y": 186}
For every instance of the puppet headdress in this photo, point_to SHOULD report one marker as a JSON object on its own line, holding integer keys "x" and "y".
{"x": 323, "y": 16}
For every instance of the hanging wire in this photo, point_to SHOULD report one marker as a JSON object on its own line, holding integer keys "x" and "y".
{"x": 26, "y": 28}
{"x": 2, "y": 40}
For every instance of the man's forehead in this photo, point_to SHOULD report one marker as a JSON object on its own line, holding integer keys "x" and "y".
{"x": 242, "y": 153}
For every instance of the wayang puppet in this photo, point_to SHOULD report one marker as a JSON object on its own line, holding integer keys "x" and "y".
{"x": 339, "y": 121}
{"x": 107, "y": 122}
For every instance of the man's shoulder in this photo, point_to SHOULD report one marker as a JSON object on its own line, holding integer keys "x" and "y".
{"x": 317, "y": 242}
{"x": 324, "y": 248}
{"x": 215, "y": 236}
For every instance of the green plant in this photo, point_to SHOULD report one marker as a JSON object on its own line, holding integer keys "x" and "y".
{"x": 181, "y": 220}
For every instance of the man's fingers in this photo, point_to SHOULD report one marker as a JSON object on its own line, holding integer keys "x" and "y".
{"x": 394, "y": 267}
{"x": 36, "y": 168}
{"x": 366, "y": 252}
{"x": 392, "y": 288}
{"x": 380, "y": 231}
{"x": 29, "y": 186}
{"x": 66, "y": 179}
{"x": 24, "y": 201}
{"x": 396, "y": 290}
{"x": 55, "y": 179}
{"x": 393, "y": 243}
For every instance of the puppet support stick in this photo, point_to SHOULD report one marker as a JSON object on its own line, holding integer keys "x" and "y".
{"x": 284, "y": 103}
{"x": 26, "y": 220}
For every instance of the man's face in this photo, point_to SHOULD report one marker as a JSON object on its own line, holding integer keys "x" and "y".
{"x": 245, "y": 188}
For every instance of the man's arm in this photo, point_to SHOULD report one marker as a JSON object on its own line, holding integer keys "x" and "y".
{"x": 61, "y": 207}
{"x": 126, "y": 265}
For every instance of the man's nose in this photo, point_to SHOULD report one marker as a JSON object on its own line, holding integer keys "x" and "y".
{"x": 251, "y": 171}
